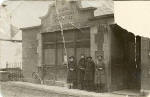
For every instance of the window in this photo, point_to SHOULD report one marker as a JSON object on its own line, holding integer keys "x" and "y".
{"x": 74, "y": 39}
{"x": 49, "y": 56}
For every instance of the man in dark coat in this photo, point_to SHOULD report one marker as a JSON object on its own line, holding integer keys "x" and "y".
{"x": 89, "y": 74}
{"x": 81, "y": 72}
{"x": 72, "y": 72}
{"x": 100, "y": 74}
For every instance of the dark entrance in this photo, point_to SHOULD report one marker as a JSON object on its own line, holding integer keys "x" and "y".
{"x": 125, "y": 60}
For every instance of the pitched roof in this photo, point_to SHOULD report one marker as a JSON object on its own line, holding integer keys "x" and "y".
{"x": 26, "y": 13}
{"x": 103, "y": 6}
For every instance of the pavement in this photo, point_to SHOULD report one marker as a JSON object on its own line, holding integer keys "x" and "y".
{"x": 24, "y": 89}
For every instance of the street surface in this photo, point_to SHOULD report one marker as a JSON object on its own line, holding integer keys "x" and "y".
{"x": 25, "y": 91}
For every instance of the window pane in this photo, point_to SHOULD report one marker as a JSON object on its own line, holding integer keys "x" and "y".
{"x": 49, "y": 37}
{"x": 60, "y": 56}
{"x": 83, "y": 44}
{"x": 49, "y": 56}
{"x": 84, "y": 34}
{"x": 69, "y": 36}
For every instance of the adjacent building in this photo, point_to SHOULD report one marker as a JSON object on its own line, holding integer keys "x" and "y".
{"x": 13, "y": 16}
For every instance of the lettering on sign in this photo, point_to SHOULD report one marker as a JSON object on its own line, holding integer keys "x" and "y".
{"x": 65, "y": 15}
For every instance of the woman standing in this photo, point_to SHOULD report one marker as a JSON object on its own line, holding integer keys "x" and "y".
{"x": 81, "y": 72}
{"x": 100, "y": 74}
{"x": 72, "y": 77}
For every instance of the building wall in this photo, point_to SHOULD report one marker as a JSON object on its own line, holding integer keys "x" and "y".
{"x": 108, "y": 20}
{"x": 125, "y": 72}
{"x": 100, "y": 45}
{"x": 93, "y": 45}
{"x": 30, "y": 54}
{"x": 117, "y": 62}
{"x": 145, "y": 63}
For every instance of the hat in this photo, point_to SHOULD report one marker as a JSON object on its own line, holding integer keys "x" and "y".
{"x": 71, "y": 57}
{"x": 89, "y": 57}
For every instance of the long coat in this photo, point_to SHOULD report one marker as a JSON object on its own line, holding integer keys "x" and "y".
{"x": 72, "y": 70}
{"x": 100, "y": 72}
{"x": 89, "y": 71}
{"x": 81, "y": 70}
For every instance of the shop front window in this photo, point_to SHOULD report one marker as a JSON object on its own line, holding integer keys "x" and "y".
{"x": 76, "y": 43}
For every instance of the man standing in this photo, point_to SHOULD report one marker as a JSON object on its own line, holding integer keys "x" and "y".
{"x": 72, "y": 78}
{"x": 89, "y": 74}
{"x": 81, "y": 72}
{"x": 100, "y": 74}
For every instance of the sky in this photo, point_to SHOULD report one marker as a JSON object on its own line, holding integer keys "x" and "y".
{"x": 133, "y": 16}
{"x": 1, "y": 1}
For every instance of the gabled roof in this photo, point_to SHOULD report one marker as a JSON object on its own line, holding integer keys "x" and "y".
{"x": 103, "y": 6}
{"x": 26, "y": 13}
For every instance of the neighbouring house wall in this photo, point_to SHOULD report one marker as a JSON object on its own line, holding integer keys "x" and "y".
{"x": 145, "y": 63}
{"x": 30, "y": 53}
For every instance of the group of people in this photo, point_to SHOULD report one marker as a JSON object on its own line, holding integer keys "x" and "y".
{"x": 86, "y": 74}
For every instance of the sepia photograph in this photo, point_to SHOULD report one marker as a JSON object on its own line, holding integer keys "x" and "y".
{"x": 74, "y": 48}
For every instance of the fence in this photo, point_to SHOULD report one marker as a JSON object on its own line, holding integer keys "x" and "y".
{"x": 14, "y": 71}
{"x": 14, "y": 65}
